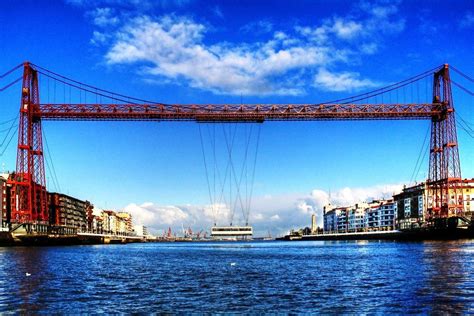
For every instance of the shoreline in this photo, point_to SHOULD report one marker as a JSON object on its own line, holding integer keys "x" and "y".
{"x": 402, "y": 235}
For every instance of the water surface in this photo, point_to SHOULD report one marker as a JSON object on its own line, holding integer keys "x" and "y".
{"x": 317, "y": 276}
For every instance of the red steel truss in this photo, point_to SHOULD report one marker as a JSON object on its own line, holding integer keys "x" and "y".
{"x": 29, "y": 196}
{"x": 445, "y": 168}
{"x": 29, "y": 203}
{"x": 237, "y": 113}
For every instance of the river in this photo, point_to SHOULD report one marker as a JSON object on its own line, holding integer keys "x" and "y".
{"x": 313, "y": 276}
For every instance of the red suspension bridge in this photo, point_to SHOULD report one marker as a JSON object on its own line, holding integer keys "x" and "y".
{"x": 29, "y": 192}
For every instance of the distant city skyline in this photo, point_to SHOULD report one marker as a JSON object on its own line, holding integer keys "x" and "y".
{"x": 189, "y": 51}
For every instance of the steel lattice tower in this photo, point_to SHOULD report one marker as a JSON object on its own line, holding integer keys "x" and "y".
{"x": 445, "y": 169}
{"x": 29, "y": 201}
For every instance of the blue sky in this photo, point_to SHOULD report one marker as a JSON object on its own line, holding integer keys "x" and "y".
{"x": 191, "y": 51}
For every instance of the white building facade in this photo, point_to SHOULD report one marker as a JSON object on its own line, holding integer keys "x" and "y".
{"x": 361, "y": 217}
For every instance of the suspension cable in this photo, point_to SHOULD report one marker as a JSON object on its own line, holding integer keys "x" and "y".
{"x": 207, "y": 174}
{"x": 421, "y": 162}
{"x": 239, "y": 183}
{"x": 463, "y": 88}
{"x": 385, "y": 89}
{"x": 86, "y": 90}
{"x": 92, "y": 87}
{"x": 465, "y": 122}
{"x": 9, "y": 130}
{"x": 461, "y": 73}
{"x": 50, "y": 169}
{"x": 468, "y": 130}
{"x": 8, "y": 144}
{"x": 465, "y": 125}
{"x": 8, "y": 121}
{"x": 254, "y": 166}
{"x": 10, "y": 71}
{"x": 422, "y": 149}
{"x": 10, "y": 84}
{"x": 8, "y": 135}
{"x": 53, "y": 169}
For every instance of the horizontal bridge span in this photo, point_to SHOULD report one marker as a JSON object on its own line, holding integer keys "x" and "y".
{"x": 236, "y": 112}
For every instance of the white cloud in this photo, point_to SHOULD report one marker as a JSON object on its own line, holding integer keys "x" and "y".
{"x": 344, "y": 81}
{"x": 380, "y": 9}
{"x": 369, "y": 48}
{"x": 378, "y": 20}
{"x": 175, "y": 49}
{"x": 149, "y": 213}
{"x": 275, "y": 213}
{"x": 99, "y": 38}
{"x": 103, "y": 17}
{"x": 346, "y": 29}
{"x": 382, "y": 17}
{"x": 275, "y": 217}
{"x": 467, "y": 21}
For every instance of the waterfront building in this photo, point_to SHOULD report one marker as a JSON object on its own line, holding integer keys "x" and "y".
{"x": 413, "y": 205}
{"x": 141, "y": 230}
{"x": 126, "y": 224}
{"x": 89, "y": 216}
{"x": 67, "y": 211}
{"x": 329, "y": 221}
{"x": 356, "y": 217}
{"x": 331, "y": 217}
{"x": 109, "y": 222}
{"x": 387, "y": 215}
{"x": 373, "y": 216}
{"x": 97, "y": 225}
{"x": 410, "y": 206}
{"x": 121, "y": 226}
{"x": 342, "y": 223}
{"x": 468, "y": 197}
{"x": 380, "y": 215}
{"x": 408, "y": 209}
{"x": 116, "y": 223}
{"x": 372, "y": 219}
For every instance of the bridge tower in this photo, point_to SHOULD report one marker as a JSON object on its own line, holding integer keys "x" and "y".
{"x": 444, "y": 180}
{"x": 29, "y": 196}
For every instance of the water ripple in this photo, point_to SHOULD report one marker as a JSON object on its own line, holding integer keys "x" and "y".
{"x": 300, "y": 277}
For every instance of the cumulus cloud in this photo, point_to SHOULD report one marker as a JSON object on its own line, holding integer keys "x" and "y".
{"x": 179, "y": 49}
{"x": 104, "y": 17}
{"x": 149, "y": 213}
{"x": 275, "y": 213}
{"x": 341, "y": 28}
{"x": 99, "y": 38}
{"x": 344, "y": 81}
{"x": 173, "y": 46}
{"x": 380, "y": 20}
{"x": 380, "y": 17}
